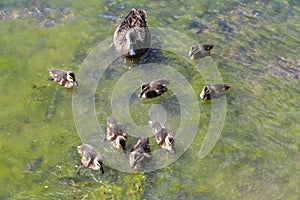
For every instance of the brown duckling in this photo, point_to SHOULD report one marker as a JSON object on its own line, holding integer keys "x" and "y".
{"x": 132, "y": 38}
{"x": 140, "y": 153}
{"x": 155, "y": 88}
{"x": 163, "y": 136}
{"x": 90, "y": 158}
{"x": 115, "y": 133}
{"x": 62, "y": 77}
{"x": 200, "y": 51}
{"x": 213, "y": 91}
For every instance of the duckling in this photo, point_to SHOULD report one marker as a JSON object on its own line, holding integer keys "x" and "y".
{"x": 163, "y": 136}
{"x": 213, "y": 91}
{"x": 200, "y": 51}
{"x": 62, "y": 77}
{"x": 90, "y": 158}
{"x": 115, "y": 133}
{"x": 140, "y": 153}
{"x": 132, "y": 38}
{"x": 155, "y": 88}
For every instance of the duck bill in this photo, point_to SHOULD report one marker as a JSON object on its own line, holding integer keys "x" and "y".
{"x": 202, "y": 95}
{"x": 141, "y": 95}
{"x": 75, "y": 83}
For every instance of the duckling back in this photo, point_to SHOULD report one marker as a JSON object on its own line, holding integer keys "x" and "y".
{"x": 200, "y": 51}
{"x": 115, "y": 133}
{"x": 62, "y": 77}
{"x": 90, "y": 158}
{"x": 213, "y": 91}
{"x": 155, "y": 88}
{"x": 140, "y": 153}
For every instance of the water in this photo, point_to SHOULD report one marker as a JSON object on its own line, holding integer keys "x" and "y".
{"x": 256, "y": 51}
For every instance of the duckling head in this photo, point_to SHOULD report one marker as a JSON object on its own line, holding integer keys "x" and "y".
{"x": 121, "y": 142}
{"x": 145, "y": 87}
{"x": 71, "y": 78}
{"x": 205, "y": 93}
{"x": 170, "y": 144}
{"x": 98, "y": 162}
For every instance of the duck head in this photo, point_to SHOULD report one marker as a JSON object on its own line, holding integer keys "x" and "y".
{"x": 98, "y": 162}
{"x": 208, "y": 47}
{"x": 170, "y": 144}
{"x": 121, "y": 142}
{"x": 145, "y": 87}
{"x": 205, "y": 93}
{"x": 71, "y": 78}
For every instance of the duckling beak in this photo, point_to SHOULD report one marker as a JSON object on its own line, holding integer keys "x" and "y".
{"x": 101, "y": 170}
{"x": 124, "y": 149}
{"x": 75, "y": 83}
{"x": 173, "y": 150}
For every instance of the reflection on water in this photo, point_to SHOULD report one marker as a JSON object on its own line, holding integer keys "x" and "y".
{"x": 256, "y": 51}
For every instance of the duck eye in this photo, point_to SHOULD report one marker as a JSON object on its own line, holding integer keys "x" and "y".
{"x": 206, "y": 90}
{"x": 122, "y": 142}
{"x": 99, "y": 162}
{"x": 71, "y": 76}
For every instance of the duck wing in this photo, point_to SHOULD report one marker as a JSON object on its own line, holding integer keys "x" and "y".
{"x": 114, "y": 129}
{"x": 58, "y": 74}
{"x": 134, "y": 19}
{"x": 160, "y": 85}
{"x": 218, "y": 90}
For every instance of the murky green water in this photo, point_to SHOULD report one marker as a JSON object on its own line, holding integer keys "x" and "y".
{"x": 256, "y": 50}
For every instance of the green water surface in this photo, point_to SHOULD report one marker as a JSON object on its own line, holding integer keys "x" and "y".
{"x": 256, "y": 51}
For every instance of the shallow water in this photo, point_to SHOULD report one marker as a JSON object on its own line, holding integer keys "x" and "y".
{"x": 256, "y": 51}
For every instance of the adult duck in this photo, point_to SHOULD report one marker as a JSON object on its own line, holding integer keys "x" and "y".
{"x": 132, "y": 38}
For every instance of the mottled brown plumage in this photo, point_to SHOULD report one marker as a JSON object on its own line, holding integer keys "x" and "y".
{"x": 140, "y": 154}
{"x": 90, "y": 158}
{"x": 163, "y": 136}
{"x": 154, "y": 88}
{"x": 132, "y": 38}
{"x": 62, "y": 77}
{"x": 115, "y": 133}
{"x": 213, "y": 91}
{"x": 200, "y": 51}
